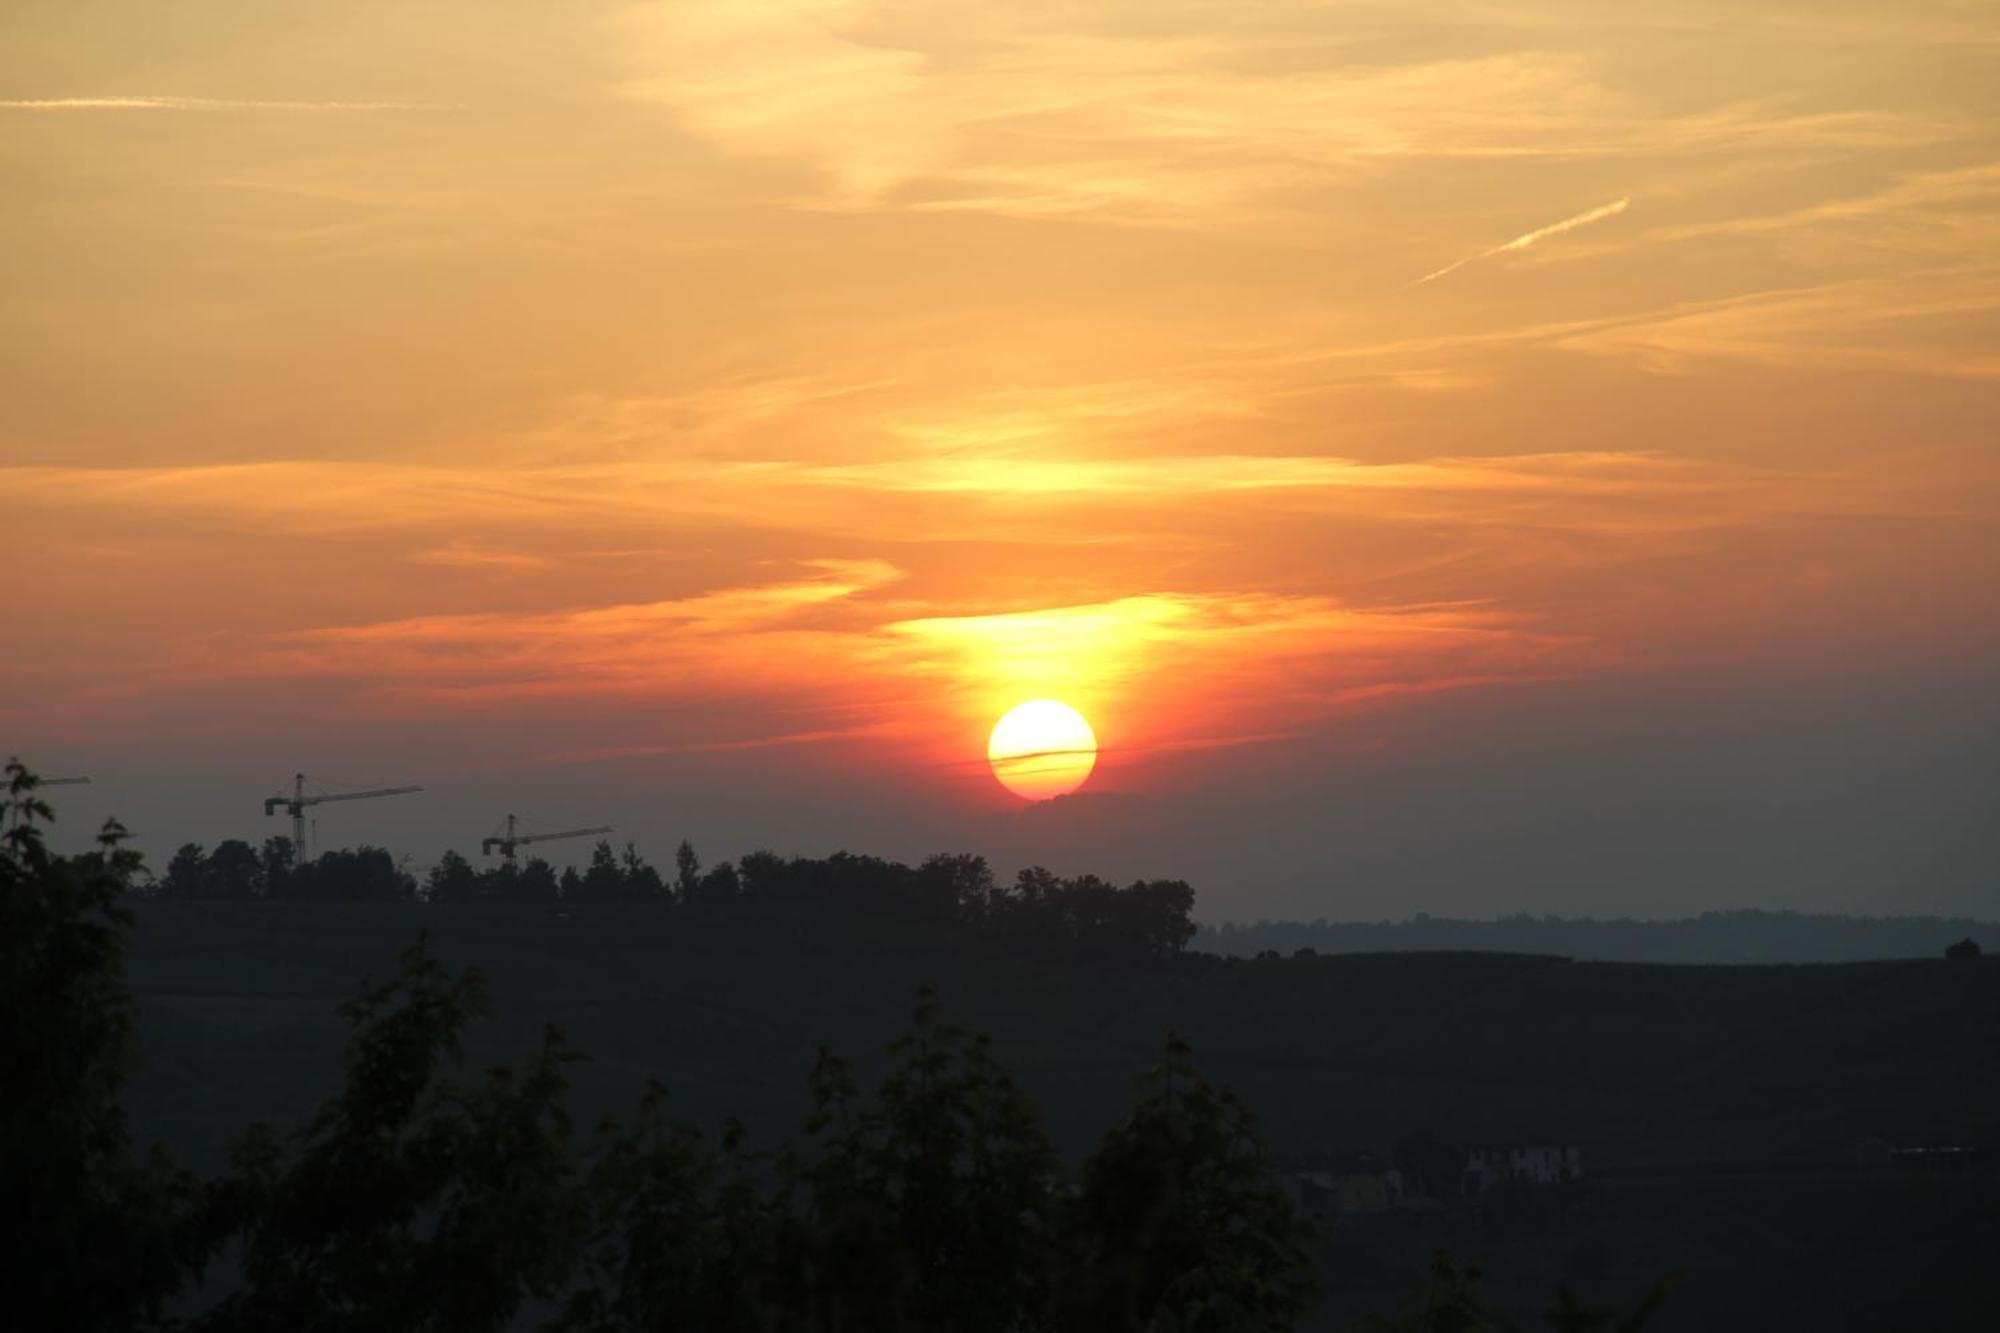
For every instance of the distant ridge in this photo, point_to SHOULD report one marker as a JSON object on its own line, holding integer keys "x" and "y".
{"x": 1745, "y": 936}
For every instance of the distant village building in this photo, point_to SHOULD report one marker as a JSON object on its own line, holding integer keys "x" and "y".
{"x": 1926, "y": 1158}
{"x": 1338, "y": 1185}
{"x": 1873, "y": 1152}
{"x": 1946, "y": 1157}
{"x": 1488, "y": 1165}
{"x": 1915, "y": 1157}
{"x": 1335, "y": 1185}
{"x": 1965, "y": 948}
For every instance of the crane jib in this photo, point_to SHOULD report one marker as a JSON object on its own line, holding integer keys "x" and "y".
{"x": 508, "y": 841}
{"x": 296, "y": 803}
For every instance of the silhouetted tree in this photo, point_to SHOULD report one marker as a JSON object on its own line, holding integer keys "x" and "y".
{"x": 1159, "y": 916}
{"x": 1449, "y": 1301}
{"x": 687, "y": 871}
{"x": 275, "y": 863}
{"x": 864, "y": 883}
{"x": 952, "y": 887}
{"x": 1179, "y": 1223}
{"x": 1568, "y": 1315}
{"x": 537, "y": 883}
{"x": 642, "y": 882}
{"x": 411, "y": 1202}
{"x": 234, "y": 871}
{"x": 720, "y": 885}
{"x": 677, "y": 1237}
{"x": 187, "y": 873}
{"x": 931, "y": 1207}
{"x": 97, "y": 1238}
{"x": 1032, "y": 916}
{"x": 452, "y": 880}
{"x": 603, "y": 879}
{"x": 764, "y": 877}
{"x": 1085, "y": 917}
{"x": 361, "y": 874}
{"x": 1087, "y": 907}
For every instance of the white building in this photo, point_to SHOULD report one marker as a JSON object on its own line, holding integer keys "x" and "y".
{"x": 1488, "y": 1165}
{"x": 1339, "y": 1186}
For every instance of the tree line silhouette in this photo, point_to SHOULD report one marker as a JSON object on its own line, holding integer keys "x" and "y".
{"x": 1079, "y": 917}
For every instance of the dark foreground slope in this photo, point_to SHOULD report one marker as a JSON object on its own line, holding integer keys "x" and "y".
{"x": 1643, "y": 1066}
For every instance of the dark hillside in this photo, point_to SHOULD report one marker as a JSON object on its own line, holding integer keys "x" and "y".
{"x": 1639, "y": 1064}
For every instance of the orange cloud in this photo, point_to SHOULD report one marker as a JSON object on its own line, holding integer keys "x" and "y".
{"x": 1167, "y": 670}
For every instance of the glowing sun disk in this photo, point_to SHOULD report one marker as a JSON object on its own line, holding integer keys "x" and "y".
{"x": 1042, "y": 748}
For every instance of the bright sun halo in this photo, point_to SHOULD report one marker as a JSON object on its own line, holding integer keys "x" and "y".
{"x": 1042, "y": 748}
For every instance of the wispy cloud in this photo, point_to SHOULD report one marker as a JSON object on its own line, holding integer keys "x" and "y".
{"x": 1907, "y": 322}
{"x": 459, "y": 554}
{"x": 1526, "y": 239}
{"x": 327, "y": 497}
{"x": 1933, "y": 196}
{"x": 821, "y": 736}
{"x": 1158, "y": 114}
{"x": 195, "y": 104}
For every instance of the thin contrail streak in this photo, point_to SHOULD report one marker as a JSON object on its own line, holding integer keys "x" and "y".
{"x": 190, "y": 104}
{"x": 1612, "y": 209}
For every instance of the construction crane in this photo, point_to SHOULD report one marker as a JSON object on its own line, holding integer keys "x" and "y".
{"x": 295, "y": 806}
{"x": 509, "y": 840}
{"x": 63, "y": 782}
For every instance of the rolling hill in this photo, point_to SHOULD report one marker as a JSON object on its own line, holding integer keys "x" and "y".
{"x": 1640, "y": 1064}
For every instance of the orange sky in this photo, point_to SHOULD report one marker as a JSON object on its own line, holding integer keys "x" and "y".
{"x": 712, "y": 416}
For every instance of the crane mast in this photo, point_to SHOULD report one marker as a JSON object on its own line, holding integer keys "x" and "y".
{"x": 509, "y": 840}
{"x": 295, "y": 805}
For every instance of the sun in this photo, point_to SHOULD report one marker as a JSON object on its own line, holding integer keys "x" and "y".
{"x": 1042, "y": 748}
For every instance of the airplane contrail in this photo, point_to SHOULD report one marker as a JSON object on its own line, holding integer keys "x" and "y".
{"x": 1612, "y": 209}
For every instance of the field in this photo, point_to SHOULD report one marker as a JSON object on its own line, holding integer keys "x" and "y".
{"x": 1730, "y": 1070}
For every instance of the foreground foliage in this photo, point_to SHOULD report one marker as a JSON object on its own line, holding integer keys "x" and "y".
{"x": 418, "y": 1201}
{"x": 412, "y": 1200}
{"x": 98, "y": 1241}
{"x": 1451, "y": 1302}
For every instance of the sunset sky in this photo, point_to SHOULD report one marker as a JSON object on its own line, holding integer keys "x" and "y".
{"x": 1460, "y": 457}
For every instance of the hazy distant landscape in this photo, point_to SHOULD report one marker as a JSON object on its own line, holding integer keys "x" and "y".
{"x": 1719, "y": 1108}
{"x": 1713, "y": 937}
